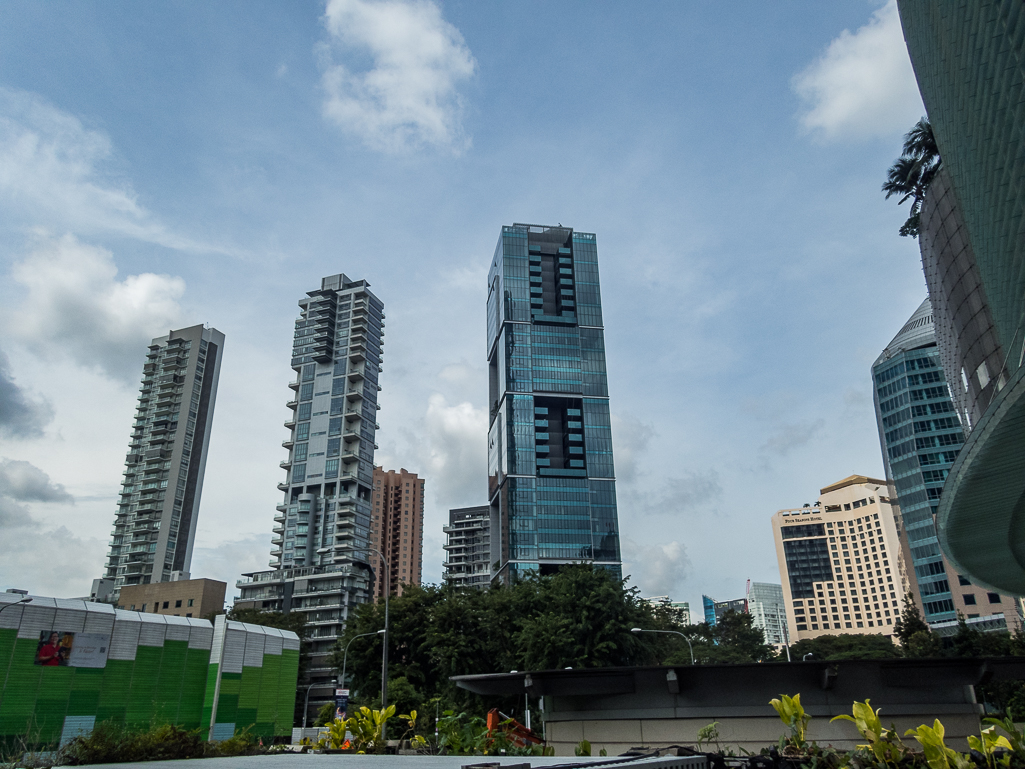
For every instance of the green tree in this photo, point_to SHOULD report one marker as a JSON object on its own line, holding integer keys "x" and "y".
{"x": 909, "y": 623}
{"x": 579, "y": 617}
{"x": 911, "y": 173}
{"x": 845, "y": 646}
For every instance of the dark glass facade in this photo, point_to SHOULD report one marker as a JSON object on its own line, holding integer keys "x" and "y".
{"x": 552, "y": 484}
{"x": 920, "y": 434}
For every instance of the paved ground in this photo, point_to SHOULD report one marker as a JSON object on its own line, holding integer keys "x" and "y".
{"x": 316, "y": 761}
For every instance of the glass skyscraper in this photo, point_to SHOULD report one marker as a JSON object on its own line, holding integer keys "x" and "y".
{"x": 921, "y": 434}
{"x": 552, "y": 487}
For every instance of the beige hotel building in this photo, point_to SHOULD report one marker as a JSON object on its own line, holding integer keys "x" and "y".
{"x": 840, "y": 561}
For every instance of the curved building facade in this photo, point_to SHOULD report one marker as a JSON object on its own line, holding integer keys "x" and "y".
{"x": 921, "y": 433}
{"x": 969, "y": 59}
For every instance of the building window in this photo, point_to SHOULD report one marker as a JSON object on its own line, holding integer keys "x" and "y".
{"x": 178, "y": 604}
{"x": 165, "y": 604}
{"x": 969, "y": 599}
{"x": 190, "y": 604}
{"x": 994, "y": 597}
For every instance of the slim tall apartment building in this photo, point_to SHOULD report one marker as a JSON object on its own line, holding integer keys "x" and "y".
{"x": 397, "y": 529}
{"x": 840, "y": 561}
{"x": 155, "y": 524}
{"x": 552, "y": 488}
{"x": 468, "y": 547}
{"x": 920, "y": 433}
{"x": 320, "y": 563}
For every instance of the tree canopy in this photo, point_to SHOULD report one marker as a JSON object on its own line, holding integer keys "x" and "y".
{"x": 911, "y": 173}
{"x": 581, "y": 617}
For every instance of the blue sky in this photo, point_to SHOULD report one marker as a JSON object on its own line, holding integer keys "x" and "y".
{"x": 168, "y": 164}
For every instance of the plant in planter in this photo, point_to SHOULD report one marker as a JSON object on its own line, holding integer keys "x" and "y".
{"x": 792, "y": 714}
{"x": 884, "y": 744}
{"x": 937, "y": 754}
{"x": 988, "y": 743}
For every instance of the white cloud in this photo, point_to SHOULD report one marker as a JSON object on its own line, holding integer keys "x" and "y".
{"x": 453, "y": 451}
{"x": 74, "y": 306}
{"x": 52, "y": 173}
{"x": 656, "y": 569}
{"x": 20, "y": 415}
{"x": 409, "y": 96}
{"x": 25, "y": 482}
{"x": 630, "y": 437}
{"x": 863, "y": 84}
{"x": 51, "y": 557}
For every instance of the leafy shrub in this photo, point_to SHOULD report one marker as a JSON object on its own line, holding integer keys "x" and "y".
{"x": 111, "y": 742}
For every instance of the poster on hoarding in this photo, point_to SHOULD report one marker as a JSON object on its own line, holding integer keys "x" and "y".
{"x": 90, "y": 650}
{"x": 75, "y": 650}
{"x": 54, "y": 648}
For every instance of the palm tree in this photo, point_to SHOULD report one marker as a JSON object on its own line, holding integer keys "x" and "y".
{"x": 911, "y": 173}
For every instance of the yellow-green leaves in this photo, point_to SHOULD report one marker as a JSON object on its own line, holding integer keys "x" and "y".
{"x": 988, "y": 743}
{"x": 884, "y": 743}
{"x": 792, "y": 714}
{"x": 937, "y": 754}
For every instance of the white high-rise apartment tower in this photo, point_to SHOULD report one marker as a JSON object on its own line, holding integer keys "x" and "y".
{"x": 320, "y": 558}
{"x": 155, "y": 523}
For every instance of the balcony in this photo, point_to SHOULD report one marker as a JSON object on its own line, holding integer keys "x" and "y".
{"x": 293, "y": 404}
{"x": 294, "y": 385}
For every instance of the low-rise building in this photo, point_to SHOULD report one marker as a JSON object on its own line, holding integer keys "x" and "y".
{"x": 468, "y": 547}
{"x": 184, "y": 598}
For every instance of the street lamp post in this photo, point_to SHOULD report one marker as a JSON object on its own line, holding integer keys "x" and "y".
{"x": 345, "y": 656}
{"x": 306, "y": 706}
{"x": 15, "y": 603}
{"x": 671, "y": 632}
{"x": 384, "y": 650}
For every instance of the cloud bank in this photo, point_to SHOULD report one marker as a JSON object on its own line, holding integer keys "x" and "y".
{"x": 409, "y": 96}
{"x": 55, "y": 172}
{"x": 20, "y": 416}
{"x": 863, "y": 85}
{"x": 75, "y": 306}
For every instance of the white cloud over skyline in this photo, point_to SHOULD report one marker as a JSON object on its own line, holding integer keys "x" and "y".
{"x": 718, "y": 289}
{"x": 863, "y": 85}
{"x": 409, "y": 96}
{"x": 57, "y": 173}
{"x": 74, "y": 305}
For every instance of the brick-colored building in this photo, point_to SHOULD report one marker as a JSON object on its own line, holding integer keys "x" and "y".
{"x": 397, "y": 528}
{"x": 184, "y": 598}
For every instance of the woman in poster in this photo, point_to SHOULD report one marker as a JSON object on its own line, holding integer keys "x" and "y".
{"x": 49, "y": 653}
